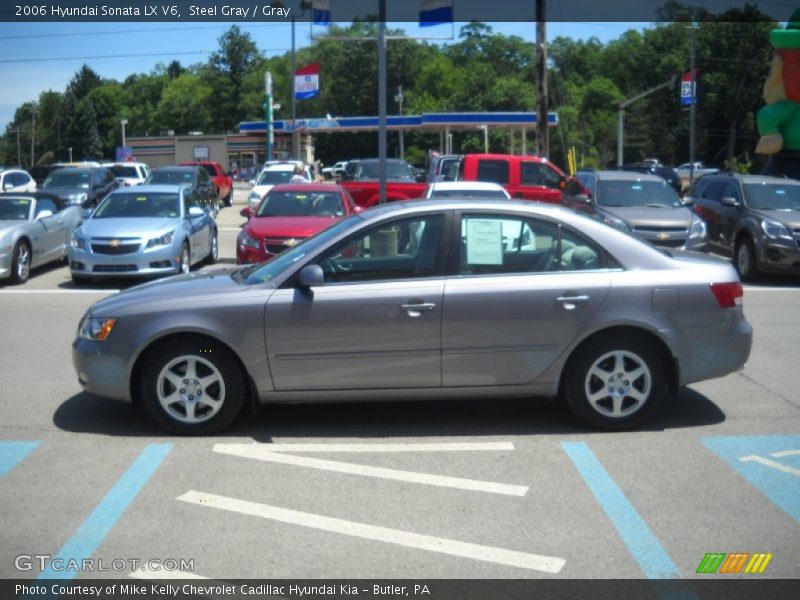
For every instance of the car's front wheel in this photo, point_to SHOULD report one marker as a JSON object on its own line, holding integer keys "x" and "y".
{"x": 192, "y": 386}
{"x": 229, "y": 198}
{"x": 21, "y": 262}
{"x": 186, "y": 262}
{"x": 745, "y": 259}
{"x": 213, "y": 249}
{"x": 615, "y": 383}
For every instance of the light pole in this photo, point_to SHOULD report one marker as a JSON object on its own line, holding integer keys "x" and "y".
{"x": 33, "y": 134}
{"x": 621, "y": 115}
{"x": 693, "y": 106}
{"x": 123, "y": 122}
{"x": 70, "y": 153}
{"x": 399, "y": 99}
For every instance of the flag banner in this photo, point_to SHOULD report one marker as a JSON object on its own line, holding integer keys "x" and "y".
{"x": 686, "y": 89}
{"x": 321, "y": 12}
{"x": 306, "y": 82}
{"x": 435, "y": 12}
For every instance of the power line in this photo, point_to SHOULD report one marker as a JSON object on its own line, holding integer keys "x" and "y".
{"x": 104, "y": 56}
{"x": 121, "y": 31}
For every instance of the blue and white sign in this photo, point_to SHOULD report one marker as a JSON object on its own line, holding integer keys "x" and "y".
{"x": 306, "y": 82}
{"x": 321, "y": 12}
{"x": 435, "y": 12}
{"x": 686, "y": 88}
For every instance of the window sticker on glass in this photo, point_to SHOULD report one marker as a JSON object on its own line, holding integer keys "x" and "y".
{"x": 484, "y": 242}
{"x": 780, "y": 192}
{"x": 141, "y": 198}
{"x": 638, "y": 188}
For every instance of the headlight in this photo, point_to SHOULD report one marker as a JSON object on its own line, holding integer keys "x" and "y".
{"x": 77, "y": 198}
{"x": 776, "y": 230}
{"x": 164, "y": 240}
{"x": 247, "y": 240}
{"x": 78, "y": 242}
{"x": 697, "y": 229}
{"x": 96, "y": 329}
{"x": 615, "y": 222}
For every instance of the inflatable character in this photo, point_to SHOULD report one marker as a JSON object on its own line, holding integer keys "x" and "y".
{"x": 779, "y": 120}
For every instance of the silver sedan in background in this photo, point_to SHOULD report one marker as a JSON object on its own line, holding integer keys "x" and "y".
{"x": 35, "y": 229}
{"x": 147, "y": 230}
{"x": 425, "y": 299}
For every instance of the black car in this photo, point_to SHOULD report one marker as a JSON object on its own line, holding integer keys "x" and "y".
{"x": 194, "y": 176}
{"x": 668, "y": 174}
{"x": 350, "y": 169}
{"x": 86, "y": 186}
{"x": 40, "y": 173}
{"x": 754, "y": 218}
{"x": 640, "y": 203}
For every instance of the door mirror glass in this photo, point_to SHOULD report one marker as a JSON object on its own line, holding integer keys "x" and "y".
{"x": 582, "y": 198}
{"x": 196, "y": 211}
{"x": 728, "y": 201}
{"x": 44, "y": 214}
{"x": 310, "y": 276}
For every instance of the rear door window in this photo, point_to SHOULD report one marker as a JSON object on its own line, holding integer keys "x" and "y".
{"x": 534, "y": 173}
{"x": 495, "y": 171}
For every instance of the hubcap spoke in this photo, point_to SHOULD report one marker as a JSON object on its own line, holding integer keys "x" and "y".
{"x": 191, "y": 368}
{"x": 617, "y": 408}
{"x": 635, "y": 374}
{"x": 190, "y": 406}
{"x": 184, "y": 395}
{"x": 637, "y": 395}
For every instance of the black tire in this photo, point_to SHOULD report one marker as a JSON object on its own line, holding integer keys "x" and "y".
{"x": 21, "y": 260}
{"x": 212, "y": 361}
{"x": 229, "y": 198}
{"x": 213, "y": 252}
{"x": 186, "y": 259}
{"x": 639, "y": 396}
{"x": 744, "y": 259}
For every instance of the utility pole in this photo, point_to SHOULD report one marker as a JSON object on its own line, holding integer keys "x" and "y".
{"x": 382, "y": 101}
{"x": 693, "y": 106}
{"x": 399, "y": 99}
{"x": 19, "y": 151}
{"x": 33, "y": 135}
{"x": 268, "y": 110}
{"x": 621, "y": 115}
{"x": 542, "y": 134}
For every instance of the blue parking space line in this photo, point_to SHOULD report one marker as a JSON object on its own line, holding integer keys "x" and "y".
{"x": 641, "y": 542}
{"x": 775, "y": 476}
{"x": 101, "y": 521}
{"x": 12, "y": 453}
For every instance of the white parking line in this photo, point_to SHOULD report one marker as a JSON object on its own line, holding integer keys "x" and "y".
{"x": 492, "y": 554}
{"x": 771, "y": 463}
{"x": 258, "y": 452}
{"x": 229, "y": 228}
{"x": 786, "y": 453}
{"x": 153, "y": 574}
{"x": 411, "y": 447}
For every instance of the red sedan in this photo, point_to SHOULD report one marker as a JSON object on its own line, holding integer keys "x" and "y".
{"x": 287, "y": 215}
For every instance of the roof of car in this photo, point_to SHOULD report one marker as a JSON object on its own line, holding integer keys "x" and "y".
{"x": 744, "y": 178}
{"x": 306, "y": 187}
{"x": 36, "y": 196}
{"x": 467, "y": 185}
{"x": 624, "y": 175}
{"x": 191, "y": 167}
{"x": 159, "y": 187}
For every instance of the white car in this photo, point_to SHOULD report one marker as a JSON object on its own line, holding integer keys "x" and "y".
{"x": 16, "y": 180}
{"x": 336, "y": 171}
{"x": 466, "y": 189}
{"x": 270, "y": 176}
{"x": 129, "y": 173}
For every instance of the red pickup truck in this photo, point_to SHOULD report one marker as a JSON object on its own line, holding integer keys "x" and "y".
{"x": 526, "y": 177}
{"x": 222, "y": 180}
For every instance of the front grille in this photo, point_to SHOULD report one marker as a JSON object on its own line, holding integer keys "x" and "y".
{"x": 121, "y": 246}
{"x": 115, "y": 268}
{"x": 669, "y": 243}
{"x": 657, "y": 230}
{"x": 274, "y": 248}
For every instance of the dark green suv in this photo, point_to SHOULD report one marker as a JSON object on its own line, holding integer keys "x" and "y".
{"x": 754, "y": 218}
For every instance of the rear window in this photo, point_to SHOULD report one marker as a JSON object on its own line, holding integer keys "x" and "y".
{"x": 121, "y": 171}
{"x": 493, "y": 170}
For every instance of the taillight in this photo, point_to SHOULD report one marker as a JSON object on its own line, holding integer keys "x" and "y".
{"x": 728, "y": 295}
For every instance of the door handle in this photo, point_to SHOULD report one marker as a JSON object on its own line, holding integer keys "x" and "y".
{"x": 415, "y": 310}
{"x": 573, "y": 299}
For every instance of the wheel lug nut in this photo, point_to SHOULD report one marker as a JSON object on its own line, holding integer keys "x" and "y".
{"x": 627, "y": 382}
{"x": 182, "y": 391}
{"x": 185, "y": 381}
{"x": 191, "y": 397}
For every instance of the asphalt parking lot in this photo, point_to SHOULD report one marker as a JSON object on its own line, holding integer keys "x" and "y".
{"x": 501, "y": 489}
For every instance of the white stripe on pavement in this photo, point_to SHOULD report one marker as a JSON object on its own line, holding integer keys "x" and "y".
{"x": 786, "y": 453}
{"x": 153, "y": 574}
{"x": 411, "y": 447}
{"x": 771, "y": 463}
{"x": 492, "y": 554}
{"x": 254, "y": 451}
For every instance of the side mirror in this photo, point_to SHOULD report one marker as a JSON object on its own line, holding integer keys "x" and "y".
{"x": 8, "y": 186}
{"x": 252, "y": 183}
{"x": 196, "y": 211}
{"x": 310, "y": 276}
{"x": 582, "y": 198}
{"x": 358, "y": 209}
{"x": 687, "y": 201}
{"x": 44, "y": 214}
{"x": 729, "y": 202}
{"x": 246, "y": 212}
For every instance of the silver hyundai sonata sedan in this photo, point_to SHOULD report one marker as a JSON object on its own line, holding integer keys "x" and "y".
{"x": 425, "y": 299}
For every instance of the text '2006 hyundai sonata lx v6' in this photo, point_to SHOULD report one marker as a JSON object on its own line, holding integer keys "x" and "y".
{"x": 425, "y": 299}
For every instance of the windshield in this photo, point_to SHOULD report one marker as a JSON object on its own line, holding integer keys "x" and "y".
{"x": 120, "y": 171}
{"x": 69, "y": 178}
{"x": 650, "y": 194}
{"x": 467, "y": 193}
{"x": 301, "y": 204}
{"x": 275, "y": 177}
{"x": 146, "y": 205}
{"x": 15, "y": 209}
{"x": 170, "y": 177}
{"x": 269, "y": 270}
{"x": 772, "y": 196}
{"x": 394, "y": 170}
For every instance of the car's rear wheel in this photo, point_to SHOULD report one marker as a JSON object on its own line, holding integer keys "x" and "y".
{"x": 21, "y": 262}
{"x": 229, "y": 198}
{"x": 192, "y": 386}
{"x": 745, "y": 259}
{"x": 615, "y": 383}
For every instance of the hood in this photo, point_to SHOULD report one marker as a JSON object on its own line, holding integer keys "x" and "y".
{"x": 288, "y": 227}
{"x": 188, "y": 290}
{"x": 127, "y": 227}
{"x": 63, "y": 192}
{"x": 790, "y": 218}
{"x": 639, "y": 216}
{"x": 262, "y": 190}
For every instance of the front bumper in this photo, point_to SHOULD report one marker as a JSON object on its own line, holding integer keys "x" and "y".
{"x": 99, "y": 372}
{"x": 5, "y": 263}
{"x": 779, "y": 258}
{"x": 150, "y": 263}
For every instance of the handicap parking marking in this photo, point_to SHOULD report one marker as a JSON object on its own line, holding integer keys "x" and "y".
{"x": 492, "y": 554}
{"x": 101, "y": 521}
{"x": 767, "y": 462}
{"x": 13, "y": 453}
{"x": 640, "y": 540}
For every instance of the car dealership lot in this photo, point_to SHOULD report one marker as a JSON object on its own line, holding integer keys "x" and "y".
{"x": 380, "y": 490}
